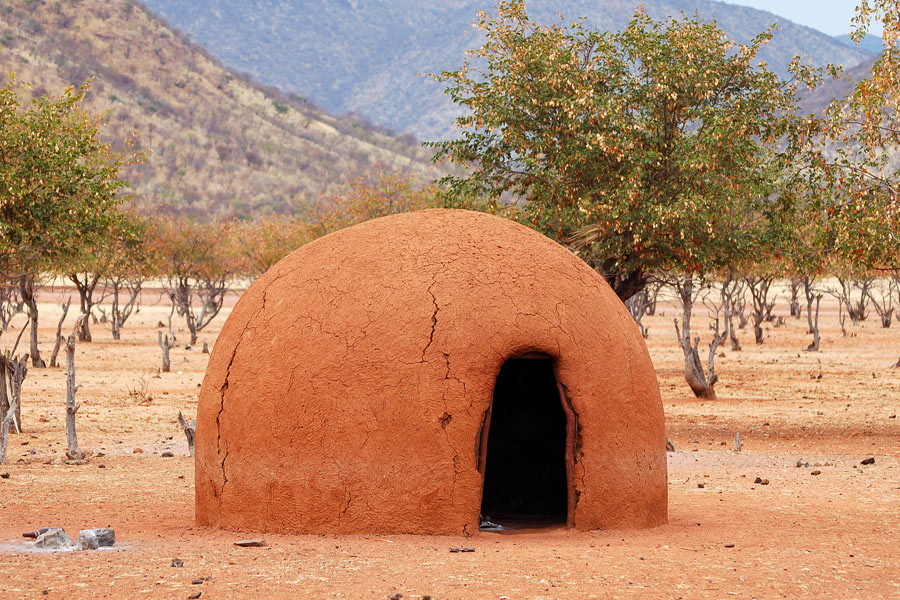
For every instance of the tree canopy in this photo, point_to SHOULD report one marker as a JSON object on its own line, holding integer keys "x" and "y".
{"x": 59, "y": 182}
{"x": 650, "y": 148}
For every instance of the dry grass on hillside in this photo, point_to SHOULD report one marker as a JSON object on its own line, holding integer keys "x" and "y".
{"x": 216, "y": 143}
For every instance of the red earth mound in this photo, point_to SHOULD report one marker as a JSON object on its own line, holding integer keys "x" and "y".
{"x": 415, "y": 373}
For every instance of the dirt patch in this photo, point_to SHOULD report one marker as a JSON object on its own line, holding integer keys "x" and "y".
{"x": 828, "y": 535}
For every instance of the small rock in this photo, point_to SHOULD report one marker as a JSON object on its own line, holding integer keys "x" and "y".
{"x": 101, "y": 466}
{"x": 4, "y": 475}
{"x": 701, "y": 486}
{"x": 195, "y": 595}
{"x": 729, "y": 545}
{"x": 670, "y": 447}
{"x": 761, "y": 481}
{"x": 177, "y": 562}
{"x": 167, "y": 454}
{"x": 77, "y": 461}
{"x": 137, "y": 451}
{"x": 252, "y": 543}
{"x": 87, "y": 540}
{"x": 462, "y": 549}
{"x": 868, "y": 461}
{"x": 816, "y": 472}
{"x": 396, "y": 596}
{"x": 54, "y": 537}
{"x": 105, "y": 536}
{"x": 197, "y": 581}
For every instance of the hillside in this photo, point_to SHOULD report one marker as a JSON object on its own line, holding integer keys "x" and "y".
{"x": 870, "y": 43}
{"x": 367, "y": 56}
{"x": 217, "y": 143}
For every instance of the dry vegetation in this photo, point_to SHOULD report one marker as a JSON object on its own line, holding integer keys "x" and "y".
{"x": 216, "y": 143}
{"x": 831, "y": 534}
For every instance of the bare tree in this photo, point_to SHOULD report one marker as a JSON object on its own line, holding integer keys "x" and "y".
{"x": 189, "y": 429}
{"x": 12, "y": 375}
{"x": 812, "y": 316}
{"x": 10, "y": 304}
{"x": 857, "y": 307}
{"x": 85, "y": 283}
{"x": 197, "y": 267}
{"x": 208, "y": 290}
{"x": 701, "y": 382}
{"x": 739, "y": 306}
{"x": 732, "y": 292}
{"x": 72, "y": 450}
{"x": 759, "y": 286}
{"x": 638, "y": 305}
{"x": 59, "y": 338}
{"x": 795, "y": 284}
{"x": 653, "y": 287}
{"x": 883, "y": 302}
{"x": 165, "y": 345}
{"x": 120, "y": 312}
{"x": 27, "y": 288}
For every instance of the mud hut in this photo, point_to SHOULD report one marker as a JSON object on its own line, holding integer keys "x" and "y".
{"x": 417, "y": 372}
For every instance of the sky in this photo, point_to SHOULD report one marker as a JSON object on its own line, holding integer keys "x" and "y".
{"x": 829, "y": 16}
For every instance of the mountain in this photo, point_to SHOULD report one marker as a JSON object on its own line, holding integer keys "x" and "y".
{"x": 819, "y": 99}
{"x": 217, "y": 143}
{"x": 871, "y": 43}
{"x": 368, "y": 56}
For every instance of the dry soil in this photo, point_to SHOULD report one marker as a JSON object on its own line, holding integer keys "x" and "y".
{"x": 828, "y": 528}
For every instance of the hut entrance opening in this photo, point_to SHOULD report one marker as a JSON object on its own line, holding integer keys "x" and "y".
{"x": 524, "y": 461}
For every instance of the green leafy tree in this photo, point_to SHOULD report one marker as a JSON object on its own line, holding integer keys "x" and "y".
{"x": 640, "y": 146}
{"x": 197, "y": 263}
{"x": 852, "y": 153}
{"x": 649, "y": 150}
{"x": 131, "y": 259}
{"x": 58, "y": 187}
{"x": 261, "y": 243}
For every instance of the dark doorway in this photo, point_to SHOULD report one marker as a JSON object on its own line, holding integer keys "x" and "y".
{"x": 525, "y": 481}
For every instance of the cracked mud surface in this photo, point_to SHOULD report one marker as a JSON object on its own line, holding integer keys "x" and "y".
{"x": 833, "y": 535}
{"x": 347, "y": 390}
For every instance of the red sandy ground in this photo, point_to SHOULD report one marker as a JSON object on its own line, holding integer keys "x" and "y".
{"x": 834, "y": 535}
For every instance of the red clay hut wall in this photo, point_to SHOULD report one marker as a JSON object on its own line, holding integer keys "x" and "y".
{"x": 347, "y": 389}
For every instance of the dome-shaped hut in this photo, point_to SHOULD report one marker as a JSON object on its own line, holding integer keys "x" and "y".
{"x": 416, "y": 372}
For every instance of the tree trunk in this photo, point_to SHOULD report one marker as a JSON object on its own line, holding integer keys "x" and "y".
{"x": 637, "y": 306}
{"x": 795, "y": 296}
{"x": 165, "y": 344}
{"x": 86, "y": 289}
{"x": 114, "y": 313}
{"x": 693, "y": 369}
{"x": 4, "y": 395}
{"x": 172, "y": 331}
{"x": 59, "y": 338}
{"x": 84, "y": 333}
{"x": 26, "y": 290}
{"x": 4, "y": 434}
{"x": 189, "y": 429}
{"x": 72, "y": 451}
{"x": 14, "y": 371}
{"x": 814, "y": 325}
